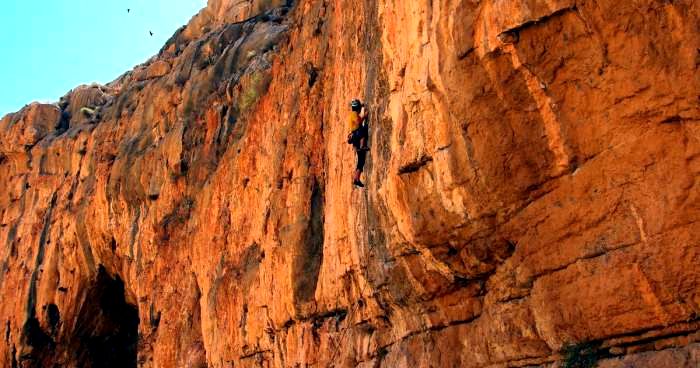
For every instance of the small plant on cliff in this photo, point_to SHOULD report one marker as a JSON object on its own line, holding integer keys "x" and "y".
{"x": 582, "y": 355}
{"x": 256, "y": 86}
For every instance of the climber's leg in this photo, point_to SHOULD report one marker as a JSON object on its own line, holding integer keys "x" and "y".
{"x": 363, "y": 144}
{"x": 364, "y": 134}
{"x": 361, "y": 158}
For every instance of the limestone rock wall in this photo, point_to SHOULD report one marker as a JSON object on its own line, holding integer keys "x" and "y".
{"x": 532, "y": 195}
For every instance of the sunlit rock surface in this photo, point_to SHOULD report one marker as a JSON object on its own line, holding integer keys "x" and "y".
{"x": 532, "y": 193}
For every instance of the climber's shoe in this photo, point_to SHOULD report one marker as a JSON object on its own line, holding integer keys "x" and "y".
{"x": 358, "y": 183}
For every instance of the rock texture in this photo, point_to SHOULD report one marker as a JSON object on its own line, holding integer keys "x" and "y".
{"x": 533, "y": 195}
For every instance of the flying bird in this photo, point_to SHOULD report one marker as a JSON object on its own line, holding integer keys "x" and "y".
{"x": 128, "y": 10}
{"x": 151, "y": 33}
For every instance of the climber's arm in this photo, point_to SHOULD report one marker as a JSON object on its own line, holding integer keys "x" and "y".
{"x": 363, "y": 114}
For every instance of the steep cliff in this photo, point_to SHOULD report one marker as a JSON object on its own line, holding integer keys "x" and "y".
{"x": 532, "y": 193}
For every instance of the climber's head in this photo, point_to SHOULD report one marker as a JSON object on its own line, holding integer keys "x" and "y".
{"x": 356, "y": 105}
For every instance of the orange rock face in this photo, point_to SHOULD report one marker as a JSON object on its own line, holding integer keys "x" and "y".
{"x": 532, "y": 193}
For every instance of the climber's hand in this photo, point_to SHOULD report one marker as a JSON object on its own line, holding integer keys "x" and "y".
{"x": 363, "y": 112}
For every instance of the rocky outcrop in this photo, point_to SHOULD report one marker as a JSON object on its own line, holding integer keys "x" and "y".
{"x": 531, "y": 193}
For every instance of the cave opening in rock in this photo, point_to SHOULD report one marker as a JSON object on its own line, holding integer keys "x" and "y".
{"x": 107, "y": 328}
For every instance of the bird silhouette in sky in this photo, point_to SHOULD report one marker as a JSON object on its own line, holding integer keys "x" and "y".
{"x": 128, "y": 10}
{"x": 151, "y": 33}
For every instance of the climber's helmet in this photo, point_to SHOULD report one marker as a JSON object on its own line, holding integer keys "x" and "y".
{"x": 355, "y": 105}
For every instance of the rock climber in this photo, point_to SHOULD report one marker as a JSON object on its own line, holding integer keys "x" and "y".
{"x": 359, "y": 132}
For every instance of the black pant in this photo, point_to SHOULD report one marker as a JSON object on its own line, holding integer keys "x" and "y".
{"x": 361, "y": 158}
{"x": 357, "y": 136}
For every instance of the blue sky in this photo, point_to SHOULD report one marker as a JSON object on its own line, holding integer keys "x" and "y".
{"x": 50, "y": 46}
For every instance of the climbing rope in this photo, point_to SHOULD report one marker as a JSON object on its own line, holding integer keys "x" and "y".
{"x": 353, "y": 308}
{"x": 349, "y": 317}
